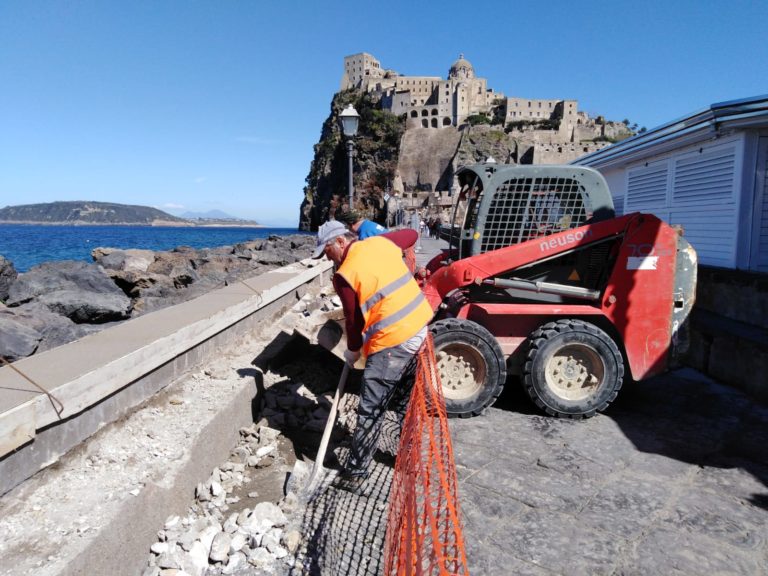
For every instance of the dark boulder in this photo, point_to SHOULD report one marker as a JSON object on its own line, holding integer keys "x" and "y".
{"x": 82, "y": 292}
{"x": 218, "y": 270}
{"x": 130, "y": 260}
{"x": 8, "y": 275}
{"x": 284, "y": 250}
{"x": 54, "y": 328}
{"x": 272, "y": 258}
{"x": 83, "y": 306}
{"x": 304, "y": 243}
{"x": 245, "y": 250}
{"x": 16, "y": 339}
{"x": 177, "y": 265}
{"x": 138, "y": 284}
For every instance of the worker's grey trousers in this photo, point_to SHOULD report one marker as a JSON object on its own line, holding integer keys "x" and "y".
{"x": 387, "y": 379}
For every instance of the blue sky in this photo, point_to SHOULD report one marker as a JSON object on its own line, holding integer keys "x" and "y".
{"x": 217, "y": 104}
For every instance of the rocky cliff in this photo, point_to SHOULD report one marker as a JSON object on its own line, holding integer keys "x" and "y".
{"x": 390, "y": 159}
{"x": 375, "y": 164}
{"x": 418, "y": 164}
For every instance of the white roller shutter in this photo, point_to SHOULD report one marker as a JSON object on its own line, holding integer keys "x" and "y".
{"x": 711, "y": 231}
{"x": 647, "y": 188}
{"x": 704, "y": 202}
{"x": 705, "y": 177}
{"x": 618, "y": 205}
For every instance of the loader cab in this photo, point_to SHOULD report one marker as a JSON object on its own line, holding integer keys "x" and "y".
{"x": 499, "y": 205}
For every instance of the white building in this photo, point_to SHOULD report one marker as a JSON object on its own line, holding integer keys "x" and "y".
{"x": 706, "y": 172}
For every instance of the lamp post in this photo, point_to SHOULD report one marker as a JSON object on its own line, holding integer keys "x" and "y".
{"x": 349, "y": 121}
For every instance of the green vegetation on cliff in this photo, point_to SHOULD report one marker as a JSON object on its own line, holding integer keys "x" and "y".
{"x": 78, "y": 212}
{"x": 375, "y": 163}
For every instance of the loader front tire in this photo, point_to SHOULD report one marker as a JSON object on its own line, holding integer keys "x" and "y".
{"x": 471, "y": 366}
{"x": 573, "y": 369}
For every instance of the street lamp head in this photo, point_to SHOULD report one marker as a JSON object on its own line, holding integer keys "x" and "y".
{"x": 349, "y": 121}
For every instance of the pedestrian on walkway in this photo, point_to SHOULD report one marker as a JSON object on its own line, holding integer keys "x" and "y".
{"x": 416, "y": 225}
{"x": 386, "y": 316}
{"x": 363, "y": 227}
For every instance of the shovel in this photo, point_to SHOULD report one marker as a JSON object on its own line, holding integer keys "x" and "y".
{"x": 318, "y": 471}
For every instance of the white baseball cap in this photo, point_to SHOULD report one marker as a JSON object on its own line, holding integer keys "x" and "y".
{"x": 326, "y": 233}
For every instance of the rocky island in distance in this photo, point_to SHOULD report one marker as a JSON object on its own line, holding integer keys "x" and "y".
{"x": 79, "y": 213}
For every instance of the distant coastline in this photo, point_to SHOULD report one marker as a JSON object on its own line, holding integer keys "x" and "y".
{"x": 175, "y": 224}
{"x": 91, "y": 213}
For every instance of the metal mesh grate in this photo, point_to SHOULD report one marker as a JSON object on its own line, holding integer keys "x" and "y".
{"x": 526, "y": 208}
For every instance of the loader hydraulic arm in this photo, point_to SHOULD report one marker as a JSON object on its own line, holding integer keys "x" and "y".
{"x": 484, "y": 267}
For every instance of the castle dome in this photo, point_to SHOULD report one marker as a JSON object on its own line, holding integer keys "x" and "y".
{"x": 461, "y": 68}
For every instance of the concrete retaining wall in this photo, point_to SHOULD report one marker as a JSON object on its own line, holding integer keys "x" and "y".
{"x": 729, "y": 339}
{"x": 101, "y": 377}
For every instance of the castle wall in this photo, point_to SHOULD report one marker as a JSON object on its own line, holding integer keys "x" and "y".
{"x": 582, "y": 132}
{"x": 398, "y": 103}
{"x": 461, "y": 103}
{"x": 530, "y": 109}
{"x": 429, "y": 117}
{"x": 427, "y": 101}
{"x": 434, "y": 103}
{"x": 420, "y": 88}
{"x": 476, "y": 89}
{"x": 358, "y": 68}
{"x": 563, "y": 153}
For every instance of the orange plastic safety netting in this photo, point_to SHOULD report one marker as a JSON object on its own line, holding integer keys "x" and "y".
{"x": 424, "y": 534}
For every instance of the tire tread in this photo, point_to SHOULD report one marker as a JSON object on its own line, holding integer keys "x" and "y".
{"x": 539, "y": 338}
{"x": 478, "y": 334}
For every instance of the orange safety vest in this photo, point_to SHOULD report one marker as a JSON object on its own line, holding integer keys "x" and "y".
{"x": 392, "y": 304}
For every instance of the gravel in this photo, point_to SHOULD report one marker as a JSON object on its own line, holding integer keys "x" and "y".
{"x": 238, "y": 520}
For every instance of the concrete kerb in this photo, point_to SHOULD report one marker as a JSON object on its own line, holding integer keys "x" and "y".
{"x": 120, "y": 549}
{"x": 101, "y": 377}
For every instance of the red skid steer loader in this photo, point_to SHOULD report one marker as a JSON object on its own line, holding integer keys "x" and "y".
{"x": 542, "y": 280}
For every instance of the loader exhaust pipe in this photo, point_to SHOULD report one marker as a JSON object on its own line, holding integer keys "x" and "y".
{"x": 545, "y": 288}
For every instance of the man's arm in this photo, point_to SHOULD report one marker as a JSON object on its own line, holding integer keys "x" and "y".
{"x": 353, "y": 317}
{"x": 404, "y": 238}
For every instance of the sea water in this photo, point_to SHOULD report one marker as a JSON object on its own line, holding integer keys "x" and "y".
{"x": 27, "y": 245}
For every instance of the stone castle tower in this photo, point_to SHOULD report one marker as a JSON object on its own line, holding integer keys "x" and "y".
{"x": 460, "y": 120}
{"x": 555, "y": 127}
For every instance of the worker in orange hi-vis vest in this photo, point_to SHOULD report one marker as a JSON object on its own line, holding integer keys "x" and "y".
{"x": 386, "y": 316}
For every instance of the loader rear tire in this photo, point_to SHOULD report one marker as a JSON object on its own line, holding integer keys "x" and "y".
{"x": 573, "y": 369}
{"x": 471, "y": 366}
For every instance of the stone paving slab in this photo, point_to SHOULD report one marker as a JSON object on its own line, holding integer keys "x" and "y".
{"x": 672, "y": 480}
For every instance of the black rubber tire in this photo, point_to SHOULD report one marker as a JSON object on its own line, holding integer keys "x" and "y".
{"x": 573, "y": 369}
{"x": 471, "y": 365}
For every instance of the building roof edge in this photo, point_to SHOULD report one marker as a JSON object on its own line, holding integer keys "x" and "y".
{"x": 754, "y": 107}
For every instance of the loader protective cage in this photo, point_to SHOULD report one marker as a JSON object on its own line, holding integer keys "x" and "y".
{"x": 511, "y": 204}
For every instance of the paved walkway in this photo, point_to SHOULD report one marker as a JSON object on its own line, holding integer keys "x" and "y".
{"x": 672, "y": 480}
{"x": 426, "y": 248}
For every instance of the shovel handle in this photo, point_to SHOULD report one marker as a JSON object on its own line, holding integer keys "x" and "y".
{"x": 329, "y": 425}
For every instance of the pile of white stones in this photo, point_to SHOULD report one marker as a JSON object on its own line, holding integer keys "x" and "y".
{"x": 209, "y": 541}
